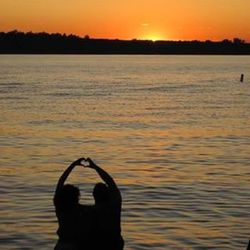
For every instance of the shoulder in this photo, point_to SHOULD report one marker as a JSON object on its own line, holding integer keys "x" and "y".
{"x": 115, "y": 197}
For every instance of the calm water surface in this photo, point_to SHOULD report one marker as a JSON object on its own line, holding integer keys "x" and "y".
{"x": 174, "y": 132}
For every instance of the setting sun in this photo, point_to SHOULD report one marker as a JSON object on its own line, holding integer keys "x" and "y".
{"x": 153, "y": 37}
{"x": 152, "y": 31}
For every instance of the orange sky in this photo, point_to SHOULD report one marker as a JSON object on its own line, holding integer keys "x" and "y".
{"x": 128, "y": 19}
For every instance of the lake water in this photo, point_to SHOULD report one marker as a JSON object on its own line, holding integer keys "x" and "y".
{"x": 173, "y": 131}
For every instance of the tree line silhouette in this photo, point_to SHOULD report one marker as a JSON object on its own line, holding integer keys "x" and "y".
{"x": 16, "y": 42}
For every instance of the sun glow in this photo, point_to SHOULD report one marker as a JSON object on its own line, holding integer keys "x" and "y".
{"x": 153, "y": 37}
{"x": 153, "y": 33}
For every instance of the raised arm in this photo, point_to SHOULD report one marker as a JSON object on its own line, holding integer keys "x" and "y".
{"x": 66, "y": 173}
{"x": 106, "y": 178}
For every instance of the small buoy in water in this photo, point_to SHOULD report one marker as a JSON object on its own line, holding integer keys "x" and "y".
{"x": 242, "y": 78}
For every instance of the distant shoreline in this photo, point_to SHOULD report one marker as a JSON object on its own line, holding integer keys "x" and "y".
{"x": 15, "y": 42}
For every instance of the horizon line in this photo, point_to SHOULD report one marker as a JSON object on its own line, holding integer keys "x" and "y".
{"x": 123, "y": 39}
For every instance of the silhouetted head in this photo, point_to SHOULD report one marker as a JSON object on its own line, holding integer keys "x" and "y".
{"x": 68, "y": 197}
{"x": 101, "y": 193}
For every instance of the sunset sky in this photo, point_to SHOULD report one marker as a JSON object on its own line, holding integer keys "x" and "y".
{"x": 129, "y": 19}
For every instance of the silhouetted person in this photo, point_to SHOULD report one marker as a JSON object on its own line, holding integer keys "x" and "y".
{"x": 108, "y": 202}
{"x": 72, "y": 234}
{"x": 83, "y": 227}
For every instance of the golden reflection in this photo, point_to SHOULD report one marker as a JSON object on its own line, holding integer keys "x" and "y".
{"x": 179, "y": 167}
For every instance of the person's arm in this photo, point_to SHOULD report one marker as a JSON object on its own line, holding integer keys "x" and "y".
{"x": 106, "y": 178}
{"x": 66, "y": 173}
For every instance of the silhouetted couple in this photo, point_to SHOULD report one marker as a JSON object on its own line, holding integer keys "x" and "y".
{"x": 86, "y": 227}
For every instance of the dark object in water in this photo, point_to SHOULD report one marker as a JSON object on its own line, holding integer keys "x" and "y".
{"x": 242, "y": 78}
{"x": 248, "y": 247}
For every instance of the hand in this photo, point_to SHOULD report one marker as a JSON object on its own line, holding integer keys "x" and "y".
{"x": 79, "y": 162}
{"x": 91, "y": 164}
{"x": 85, "y": 163}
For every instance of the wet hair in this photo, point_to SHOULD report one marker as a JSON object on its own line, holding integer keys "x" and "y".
{"x": 67, "y": 197}
{"x": 101, "y": 192}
